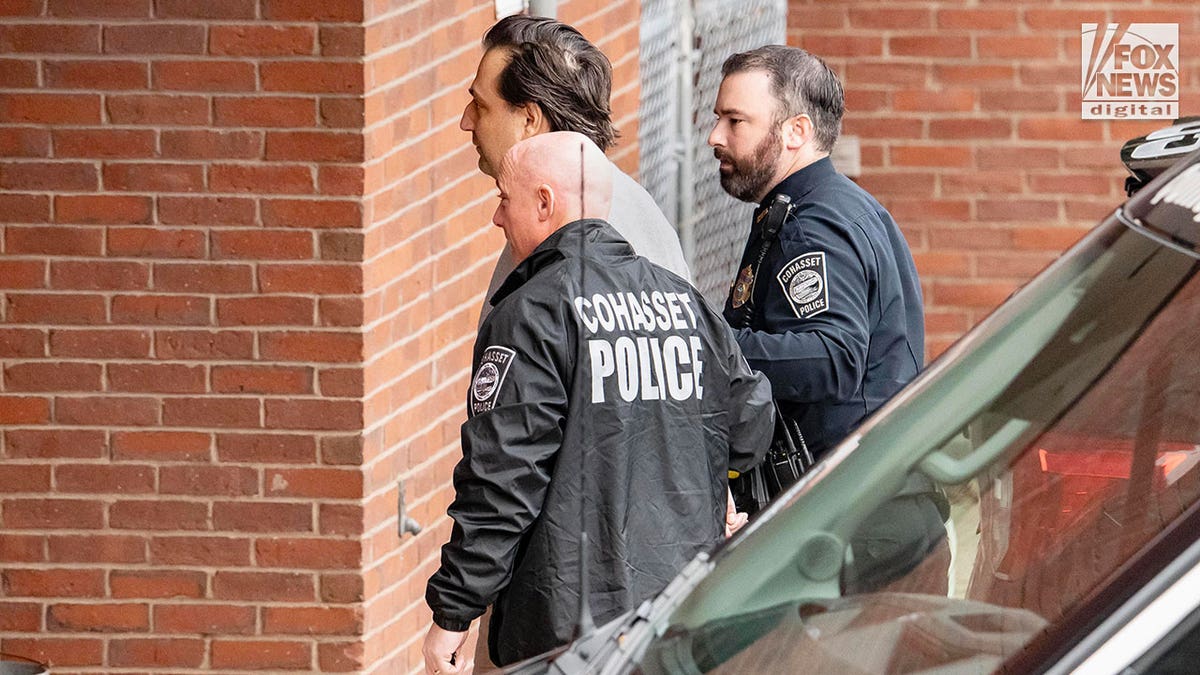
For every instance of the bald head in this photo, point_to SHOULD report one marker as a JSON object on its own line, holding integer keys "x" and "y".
{"x": 547, "y": 181}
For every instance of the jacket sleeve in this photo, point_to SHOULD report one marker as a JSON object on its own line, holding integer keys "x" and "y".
{"x": 813, "y": 356}
{"x": 509, "y": 443}
{"x": 751, "y": 413}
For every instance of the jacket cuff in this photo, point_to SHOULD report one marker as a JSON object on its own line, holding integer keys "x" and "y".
{"x": 452, "y": 625}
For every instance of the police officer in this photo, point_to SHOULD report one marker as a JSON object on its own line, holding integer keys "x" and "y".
{"x": 607, "y": 398}
{"x": 826, "y": 300}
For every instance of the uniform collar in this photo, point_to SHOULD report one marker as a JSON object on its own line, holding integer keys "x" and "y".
{"x": 599, "y": 239}
{"x": 801, "y": 182}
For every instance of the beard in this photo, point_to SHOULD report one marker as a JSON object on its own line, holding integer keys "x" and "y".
{"x": 748, "y": 178}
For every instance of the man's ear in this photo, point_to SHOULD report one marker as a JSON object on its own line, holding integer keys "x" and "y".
{"x": 545, "y": 202}
{"x": 535, "y": 121}
{"x": 797, "y": 131}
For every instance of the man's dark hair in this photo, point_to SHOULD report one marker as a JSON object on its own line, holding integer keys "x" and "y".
{"x": 553, "y": 65}
{"x": 801, "y": 84}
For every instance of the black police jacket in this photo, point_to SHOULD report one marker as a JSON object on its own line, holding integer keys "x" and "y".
{"x": 606, "y": 395}
{"x": 838, "y": 325}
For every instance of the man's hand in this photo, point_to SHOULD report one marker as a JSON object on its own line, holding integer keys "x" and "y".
{"x": 443, "y": 652}
{"x": 734, "y": 519}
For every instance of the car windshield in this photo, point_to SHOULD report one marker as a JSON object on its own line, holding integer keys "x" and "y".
{"x": 994, "y": 510}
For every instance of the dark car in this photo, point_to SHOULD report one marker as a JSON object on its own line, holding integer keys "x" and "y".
{"x": 1062, "y": 438}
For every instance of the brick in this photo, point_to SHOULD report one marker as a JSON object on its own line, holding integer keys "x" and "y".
{"x": 20, "y": 617}
{"x": 211, "y": 9}
{"x": 323, "y": 415}
{"x": 150, "y": 584}
{"x": 1045, "y": 238}
{"x": 341, "y": 450}
{"x": 21, "y": 548}
{"x": 106, "y": 411}
{"x": 145, "y": 242}
{"x": 22, "y": 343}
{"x": 205, "y": 552}
{"x": 262, "y": 380}
{"x": 1018, "y": 99}
{"x": 157, "y": 110}
{"x": 161, "y": 445}
{"x": 266, "y": 111}
{"x": 1014, "y": 209}
{"x": 55, "y": 308}
{"x": 976, "y": 19}
{"x": 309, "y": 553}
{"x": 318, "y": 214}
{"x": 129, "y": 344}
{"x": 1071, "y": 184}
{"x": 154, "y": 39}
{"x": 25, "y": 209}
{"x": 970, "y": 129}
{"x": 1017, "y": 46}
{"x": 98, "y": 618}
{"x": 23, "y": 274}
{"x": 208, "y": 144}
{"x": 99, "y": 275}
{"x": 117, "y": 479}
{"x": 24, "y": 410}
{"x": 208, "y": 278}
{"x": 947, "y": 100}
{"x": 160, "y": 310}
{"x": 344, "y": 382}
{"x": 52, "y": 514}
{"x": 18, "y": 74}
{"x": 1010, "y": 157}
{"x": 46, "y": 444}
{"x": 261, "y": 40}
{"x": 96, "y": 548}
{"x": 971, "y": 238}
{"x": 340, "y": 312}
{"x": 932, "y": 45}
{"x": 981, "y": 295}
{"x": 24, "y": 479}
{"x": 320, "y": 347}
{"x": 50, "y": 108}
{"x": 261, "y": 655}
{"x": 157, "y": 515}
{"x": 262, "y": 245}
{"x": 312, "y": 77}
{"x": 207, "y": 211}
{"x": 92, "y": 75}
{"x": 343, "y": 520}
{"x": 263, "y": 586}
{"x": 211, "y": 412}
{"x": 206, "y": 76}
{"x": 933, "y": 156}
{"x": 261, "y": 178}
{"x": 312, "y": 620}
{"x": 47, "y": 38}
{"x": 342, "y": 588}
{"x": 315, "y": 146}
{"x": 315, "y": 483}
{"x": 204, "y": 345}
{"x": 315, "y": 279}
{"x": 204, "y": 619}
{"x": 341, "y": 246}
{"x": 24, "y": 142}
{"x": 167, "y": 378}
{"x": 312, "y": 10}
{"x": 61, "y": 652}
{"x": 70, "y": 176}
{"x": 832, "y": 45}
{"x": 265, "y": 311}
{"x": 268, "y": 448}
{"x": 917, "y": 210}
{"x": 26, "y": 8}
{"x": 1054, "y": 128}
{"x": 50, "y": 376}
{"x": 156, "y": 652}
{"x": 244, "y": 516}
{"x": 891, "y": 19}
{"x": 340, "y": 180}
{"x": 52, "y": 583}
{"x": 156, "y": 177}
{"x": 102, "y": 210}
{"x": 100, "y": 9}
{"x": 981, "y": 182}
{"x": 229, "y": 481}
{"x": 974, "y": 74}
{"x": 342, "y": 113}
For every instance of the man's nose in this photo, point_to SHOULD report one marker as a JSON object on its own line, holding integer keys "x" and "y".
{"x": 715, "y": 139}
{"x": 466, "y": 122}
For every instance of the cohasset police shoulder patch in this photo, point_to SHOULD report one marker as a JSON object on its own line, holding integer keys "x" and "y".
{"x": 805, "y": 284}
{"x": 485, "y": 387}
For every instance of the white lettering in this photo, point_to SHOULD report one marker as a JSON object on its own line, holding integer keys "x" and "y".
{"x": 660, "y": 306}
{"x": 607, "y": 320}
{"x": 697, "y": 365}
{"x": 621, "y": 311}
{"x": 627, "y": 374}
{"x": 602, "y": 367}
{"x": 591, "y": 324}
{"x": 675, "y": 352}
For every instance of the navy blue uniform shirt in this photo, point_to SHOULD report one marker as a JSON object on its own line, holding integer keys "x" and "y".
{"x": 838, "y": 326}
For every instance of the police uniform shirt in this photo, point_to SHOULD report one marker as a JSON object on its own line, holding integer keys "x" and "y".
{"x": 838, "y": 325}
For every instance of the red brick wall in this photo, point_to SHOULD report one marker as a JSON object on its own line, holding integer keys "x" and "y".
{"x": 971, "y": 133}
{"x": 429, "y": 251}
{"x": 181, "y": 228}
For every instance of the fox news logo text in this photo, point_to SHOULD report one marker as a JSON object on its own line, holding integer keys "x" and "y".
{"x": 1130, "y": 71}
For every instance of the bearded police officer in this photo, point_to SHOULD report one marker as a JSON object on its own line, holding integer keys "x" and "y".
{"x": 607, "y": 398}
{"x": 826, "y": 301}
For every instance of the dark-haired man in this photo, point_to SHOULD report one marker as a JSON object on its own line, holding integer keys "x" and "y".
{"x": 607, "y": 398}
{"x": 539, "y": 75}
{"x": 829, "y": 305}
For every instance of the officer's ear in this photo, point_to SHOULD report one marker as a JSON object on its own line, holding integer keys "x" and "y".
{"x": 797, "y": 131}
{"x": 545, "y": 202}
{"x": 535, "y": 121}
